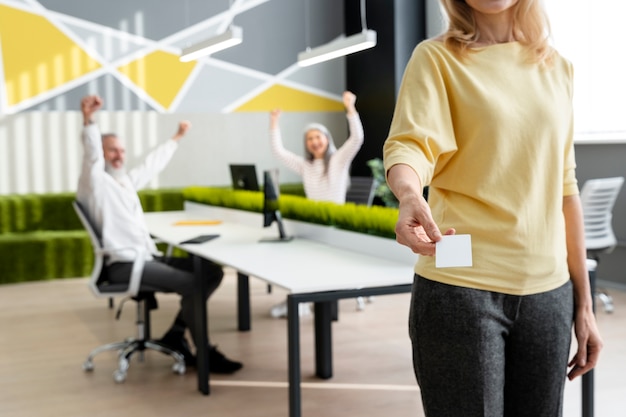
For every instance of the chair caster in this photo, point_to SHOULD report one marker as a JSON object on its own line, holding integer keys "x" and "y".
{"x": 88, "y": 366}
{"x": 179, "y": 368}
{"x": 119, "y": 376}
{"x": 607, "y": 301}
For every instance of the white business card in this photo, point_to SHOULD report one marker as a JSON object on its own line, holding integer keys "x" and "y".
{"x": 453, "y": 251}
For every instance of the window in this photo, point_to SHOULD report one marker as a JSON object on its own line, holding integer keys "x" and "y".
{"x": 589, "y": 34}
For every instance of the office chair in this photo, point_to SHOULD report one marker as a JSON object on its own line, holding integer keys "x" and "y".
{"x": 362, "y": 191}
{"x": 145, "y": 300}
{"x": 598, "y": 198}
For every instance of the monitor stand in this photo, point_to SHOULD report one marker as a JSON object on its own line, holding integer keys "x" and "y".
{"x": 282, "y": 236}
{"x": 276, "y": 239}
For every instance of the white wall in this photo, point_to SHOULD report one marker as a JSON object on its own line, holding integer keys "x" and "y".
{"x": 41, "y": 151}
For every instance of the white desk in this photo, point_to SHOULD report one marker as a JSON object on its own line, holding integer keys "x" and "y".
{"x": 319, "y": 265}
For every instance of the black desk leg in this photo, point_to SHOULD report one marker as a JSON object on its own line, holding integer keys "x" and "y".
{"x": 202, "y": 353}
{"x": 323, "y": 339}
{"x": 293, "y": 349}
{"x": 587, "y": 384}
{"x": 243, "y": 301}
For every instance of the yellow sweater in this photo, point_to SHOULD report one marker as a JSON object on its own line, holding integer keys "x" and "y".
{"x": 493, "y": 137}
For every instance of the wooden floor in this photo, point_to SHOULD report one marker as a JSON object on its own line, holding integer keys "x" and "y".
{"x": 49, "y": 327}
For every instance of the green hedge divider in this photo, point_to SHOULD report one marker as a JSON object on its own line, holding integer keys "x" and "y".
{"x": 37, "y": 256}
{"x": 374, "y": 220}
{"x": 40, "y": 212}
{"x": 41, "y": 237}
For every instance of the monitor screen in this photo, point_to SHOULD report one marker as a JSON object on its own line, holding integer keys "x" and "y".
{"x": 244, "y": 177}
{"x": 271, "y": 212}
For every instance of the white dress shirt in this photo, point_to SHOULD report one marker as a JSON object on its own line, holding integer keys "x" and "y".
{"x": 112, "y": 203}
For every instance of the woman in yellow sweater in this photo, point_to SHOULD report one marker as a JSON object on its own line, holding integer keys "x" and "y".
{"x": 484, "y": 116}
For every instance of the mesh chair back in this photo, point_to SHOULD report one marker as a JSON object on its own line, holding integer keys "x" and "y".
{"x": 97, "y": 283}
{"x": 598, "y": 198}
{"x": 361, "y": 191}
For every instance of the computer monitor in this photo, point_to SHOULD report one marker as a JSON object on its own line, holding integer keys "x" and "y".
{"x": 244, "y": 177}
{"x": 271, "y": 212}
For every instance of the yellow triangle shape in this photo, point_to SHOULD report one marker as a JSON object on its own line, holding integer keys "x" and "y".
{"x": 290, "y": 99}
{"x": 37, "y": 56}
{"x": 160, "y": 74}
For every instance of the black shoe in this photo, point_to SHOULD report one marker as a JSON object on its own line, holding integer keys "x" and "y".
{"x": 179, "y": 344}
{"x": 220, "y": 364}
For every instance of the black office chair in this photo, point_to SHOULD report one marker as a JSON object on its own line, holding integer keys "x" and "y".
{"x": 361, "y": 191}
{"x": 145, "y": 300}
{"x": 598, "y": 199}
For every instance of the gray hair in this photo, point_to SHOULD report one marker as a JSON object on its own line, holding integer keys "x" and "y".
{"x": 106, "y": 136}
{"x": 330, "y": 150}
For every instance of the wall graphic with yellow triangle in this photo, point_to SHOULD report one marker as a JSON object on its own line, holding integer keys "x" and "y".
{"x": 46, "y": 55}
{"x": 37, "y": 57}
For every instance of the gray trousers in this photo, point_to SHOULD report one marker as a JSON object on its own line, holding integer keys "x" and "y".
{"x": 486, "y": 354}
{"x": 171, "y": 275}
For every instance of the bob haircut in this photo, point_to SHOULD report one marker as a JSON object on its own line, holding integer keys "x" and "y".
{"x": 531, "y": 28}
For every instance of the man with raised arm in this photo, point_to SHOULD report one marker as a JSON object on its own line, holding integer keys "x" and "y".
{"x": 108, "y": 191}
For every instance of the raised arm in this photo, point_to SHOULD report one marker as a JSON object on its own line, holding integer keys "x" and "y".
{"x": 288, "y": 158}
{"x": 346, "y": 153}
{"x": 158, "y": 158}
{"x": 92, "y": 168}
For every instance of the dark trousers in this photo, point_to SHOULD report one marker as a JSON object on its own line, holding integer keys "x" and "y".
{"x": 486, "y": 354}
{"x": 171, "y": 275}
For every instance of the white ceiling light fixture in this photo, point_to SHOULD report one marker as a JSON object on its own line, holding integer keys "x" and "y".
{"x": 341, "y": 46}
{"x": 231, "y": 37}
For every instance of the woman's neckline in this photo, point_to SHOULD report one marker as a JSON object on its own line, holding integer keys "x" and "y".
{"x": 482, "y": 46}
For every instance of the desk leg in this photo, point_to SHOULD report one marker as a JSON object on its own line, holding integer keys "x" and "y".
{"x": 293, "y": 348}
{"x": 323, "y": 339}
{"x": 202, "y": 353}
{"x": 243, "y": 301}
{"x": 587, "y": 383}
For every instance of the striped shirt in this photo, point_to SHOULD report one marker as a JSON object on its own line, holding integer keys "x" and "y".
{"x": 333, "y": 185}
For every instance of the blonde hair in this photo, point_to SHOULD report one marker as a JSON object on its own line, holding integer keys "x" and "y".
{"x": 531, "y": 28}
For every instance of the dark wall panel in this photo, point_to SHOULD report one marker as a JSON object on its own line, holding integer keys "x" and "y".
{"x": 375, "y": 74}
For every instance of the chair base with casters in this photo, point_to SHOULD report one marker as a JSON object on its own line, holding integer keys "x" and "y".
{"x": 101, "y": 287}
{"x": 139, "y": 344}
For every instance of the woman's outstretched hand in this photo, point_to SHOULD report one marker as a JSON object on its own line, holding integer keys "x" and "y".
{"x": 274, "y": 116}
{"x": 416, "y": 228}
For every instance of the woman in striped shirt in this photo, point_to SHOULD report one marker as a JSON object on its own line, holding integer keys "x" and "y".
{"x": 325, "y": 170}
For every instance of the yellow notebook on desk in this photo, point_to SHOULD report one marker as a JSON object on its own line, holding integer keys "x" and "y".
{"x": 197, "y": 222}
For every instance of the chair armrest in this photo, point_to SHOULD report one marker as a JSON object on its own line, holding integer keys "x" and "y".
{"x": 135, "y": 276}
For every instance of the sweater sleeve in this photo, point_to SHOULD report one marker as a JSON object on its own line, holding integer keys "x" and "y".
{"x": 421, "y": 133}
{"x": 289, "y": 159}
{"x": 352, "y": 145}
{"x": 570, "y": 182}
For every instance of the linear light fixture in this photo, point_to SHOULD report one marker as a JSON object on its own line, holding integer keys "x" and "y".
{"x": 339, "y": 47}
{"x": 231, "y": 37}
